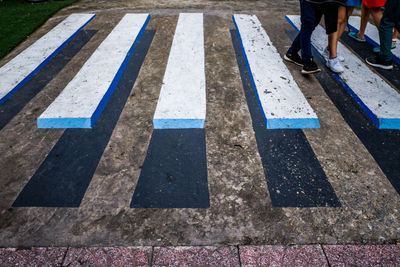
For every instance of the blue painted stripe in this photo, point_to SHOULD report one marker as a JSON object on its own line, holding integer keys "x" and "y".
{"x": 369, "y": 113}
{"x": 292, "y": 123}
{"x": 178, "y": 123}
{"x": 18, "y": 86}
{"x": 83, "y": 122}
{"x": 389, "y": 124}
{"x": 275, "y": 123}
{"x": 64, "y": 123}
{"x": 372, "y": 42}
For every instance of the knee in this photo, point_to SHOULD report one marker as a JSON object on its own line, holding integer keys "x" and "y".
{"x": 342, "y": 20}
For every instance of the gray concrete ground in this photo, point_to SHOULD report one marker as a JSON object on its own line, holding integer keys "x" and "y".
{"x": 241, "y": 211}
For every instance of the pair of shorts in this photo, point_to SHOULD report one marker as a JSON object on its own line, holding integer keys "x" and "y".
{"x": 330, "y": 12}
{"x": 353, "y": 3}
{"x": 374, "y": 3}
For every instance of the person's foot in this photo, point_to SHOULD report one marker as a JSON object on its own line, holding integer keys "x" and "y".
{"x": 294, "y": 58}
{"x": 326, "y": 55}
{"x": 376, "y": 61}
{"x": 310, "y": 67}
{"x": 355, "y": 36}
{"x": 334, "y": 65}
{"x": 378, "y": 48}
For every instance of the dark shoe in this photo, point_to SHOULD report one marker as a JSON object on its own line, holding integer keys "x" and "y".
{"x": 294, "y": 58}
{"x": 376, "y": 61}
{"x": 310, "y": 67}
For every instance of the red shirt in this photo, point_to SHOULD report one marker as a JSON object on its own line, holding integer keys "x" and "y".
{"x": 374, "y": 3}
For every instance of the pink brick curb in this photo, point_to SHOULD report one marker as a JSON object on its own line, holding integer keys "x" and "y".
{"x": 246, "y": 256}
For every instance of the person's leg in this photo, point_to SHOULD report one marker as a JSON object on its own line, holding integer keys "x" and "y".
{"x": 365, "y": 11}
{"x": 395, "y": 33}
{"x": 309, "y": 21}
{"x": 307, "y": 17}
{"x": 387, "y": 23}
{"x": 331, "y": 19}
{"x": 377, "y": 16}
{"x": 394, "y": 37}
{"x": 342, "y": 20}
{"x": 349, "y": 12}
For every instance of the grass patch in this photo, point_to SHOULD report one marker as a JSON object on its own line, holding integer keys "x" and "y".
{"x": 18, "y": 19}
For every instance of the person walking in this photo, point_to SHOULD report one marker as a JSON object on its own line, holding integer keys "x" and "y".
{"x": 311, "y": 12}
{"x": 369, "y": 7}
{"x": 390, "y": 20}
{"x": 344, "y": 12}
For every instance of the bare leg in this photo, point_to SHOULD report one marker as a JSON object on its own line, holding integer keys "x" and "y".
{"x": 332, "y": 44}
{"x": 342, "y": 20}
{"x": 376, "y": 15}
{"x": 333, "y": 38}
{"x": 349, "y": 11}
{"x": 365, "y": 11}
{"x": 395, "y": 33}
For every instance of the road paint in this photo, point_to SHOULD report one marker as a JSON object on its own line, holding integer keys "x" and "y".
{"x": 174, "y": 173}
{"x": 294, "y": 175}
{"x": 280, "y": 98}
{"x": 377, "y": 98}
{"x": 382, "y": 145}
{"x": 81, "y": 102}
{"x": 31, "y": 88}
{"x": 182, "y": 100}
{"x": 64, "y": 176}
{"x": 21, "y": 68}
{"x": 372, "y": 35}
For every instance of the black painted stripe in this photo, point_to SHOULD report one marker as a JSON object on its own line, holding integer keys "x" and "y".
{"x": 62, "y": 179}
{"x": 31, "y": 88}
{"x": 384, "y": 144}
{"x": 294, "y": 176}
{"x": 174, "y": 173}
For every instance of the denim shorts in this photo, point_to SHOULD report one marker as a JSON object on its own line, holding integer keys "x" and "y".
{"x": 353, "y": 3}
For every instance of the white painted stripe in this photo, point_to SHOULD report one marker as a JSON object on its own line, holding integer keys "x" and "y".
{"x": 282, "y": 102}
{"x": 372, "y": 35}
{"x": 379, "y": 100}
{"x": 182, "y": 101}
{"x": 18, "y": 70}
{"x": 82, "y": 100}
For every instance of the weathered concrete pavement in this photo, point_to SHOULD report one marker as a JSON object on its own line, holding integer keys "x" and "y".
{"x": 241, "y": 211}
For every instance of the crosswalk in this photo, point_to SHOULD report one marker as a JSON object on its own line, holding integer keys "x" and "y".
{"x": 182, "y": 99}
{"x": 377, "y": 98}
{"x": 182, "y": 106}
{"x": 283, "y": 104}
{"x": 21, "y": 68}
{"x": 82, "y": 101}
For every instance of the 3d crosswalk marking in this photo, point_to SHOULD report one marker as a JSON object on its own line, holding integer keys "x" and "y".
{"x": 64, "y": 176}
{"x": 294, "y": 175}
{"x": 377, "y": 98}
{"x": 82, "y": 101}
{"x": 182, "y": 100}
{"x": 20, "y": 69}
{"x": 283, "y": 104}
{"x": 372, "y": 35}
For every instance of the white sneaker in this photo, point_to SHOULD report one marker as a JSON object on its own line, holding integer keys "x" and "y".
{"x": 334, "y": 65}
{"x": 326, "y": 55}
